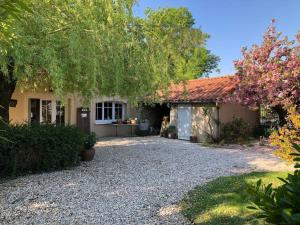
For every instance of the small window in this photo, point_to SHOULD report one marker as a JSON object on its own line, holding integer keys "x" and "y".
{"x": 268, "y": 117}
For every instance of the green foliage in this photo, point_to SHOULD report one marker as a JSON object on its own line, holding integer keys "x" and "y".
{"x": 170, "y": 32}
{"x": 99, "y": 47}
{"x": 284, "y": 137}
{"x": 262, "y": 131}
{"x": 225, "y": 200}
{"x": 172, "y": 129}
{"x": 169, "y": 129}
{"x": 13, "y": 8}
{"x": 235, "y": 131}
{"x": 35, "y": 148}
{"x": 280, "y": 205}
{"x": 89, "y": 141}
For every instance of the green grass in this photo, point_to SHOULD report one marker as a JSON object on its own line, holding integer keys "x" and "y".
{"x": 225, "y": 200}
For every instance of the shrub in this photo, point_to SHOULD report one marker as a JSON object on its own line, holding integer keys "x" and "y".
{"x": 171, "y": 129}
{"x": 262, "y": 131}
{"x": 235, "y": 131}
{"x": 35, "y": 148}
{"x": 284, "y": 137}
{"x": 168, "y": 130}
{"x": 280, "y": 205}
{"x": 89, "y": 141}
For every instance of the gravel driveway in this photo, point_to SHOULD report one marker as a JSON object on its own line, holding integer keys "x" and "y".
{"x": 130, "y": 181}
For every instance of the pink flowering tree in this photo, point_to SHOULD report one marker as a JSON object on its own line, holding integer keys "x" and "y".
{"x": 269, "y": 74}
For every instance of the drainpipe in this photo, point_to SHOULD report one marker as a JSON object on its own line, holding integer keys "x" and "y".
{"x": 218, "y": 120}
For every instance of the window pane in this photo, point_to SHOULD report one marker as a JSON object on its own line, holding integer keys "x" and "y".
{"x": 107, "y": 104}
{"x": 46, "y": 111}
{"x": 60, "y": 113}
{"x": 107, "y": 110}
{"x": 118, "y": 111}
{"x": 99, "y": 111}
{"x": 34, "y": 110}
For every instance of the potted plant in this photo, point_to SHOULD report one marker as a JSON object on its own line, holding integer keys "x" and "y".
{"x": 89, "y": 152}
{"x": 172, "y": 133}
{"x": 193, "y": 139}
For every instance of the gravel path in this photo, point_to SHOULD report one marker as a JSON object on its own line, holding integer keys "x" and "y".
{"x": 130, "y": 181}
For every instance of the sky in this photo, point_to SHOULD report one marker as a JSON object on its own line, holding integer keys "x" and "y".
{"x": 233, "y": 24}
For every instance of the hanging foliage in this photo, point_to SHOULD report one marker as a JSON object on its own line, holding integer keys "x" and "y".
{"x": 98, "y": 47}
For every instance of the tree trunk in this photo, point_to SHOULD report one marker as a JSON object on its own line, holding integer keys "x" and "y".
{"x": 282, "y": 113}
{"x": 7, "y": 87}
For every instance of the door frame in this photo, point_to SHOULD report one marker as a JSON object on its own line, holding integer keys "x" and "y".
{"x": 189, "y": 108}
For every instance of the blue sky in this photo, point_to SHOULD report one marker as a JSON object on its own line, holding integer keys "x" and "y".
{"x": 233, "y": 24}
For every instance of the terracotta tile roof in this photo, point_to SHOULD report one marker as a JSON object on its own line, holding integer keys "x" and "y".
{"x": 202, "y": 90}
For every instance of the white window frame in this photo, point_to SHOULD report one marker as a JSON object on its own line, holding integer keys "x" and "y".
{"x": 103, "y": 121}
{"x": 53, "y": 110}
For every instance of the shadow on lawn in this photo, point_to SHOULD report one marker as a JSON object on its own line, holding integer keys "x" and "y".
{"x": 224, "y": 200}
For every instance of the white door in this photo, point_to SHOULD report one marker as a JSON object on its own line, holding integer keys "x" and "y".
{"x": 184, "y": 122}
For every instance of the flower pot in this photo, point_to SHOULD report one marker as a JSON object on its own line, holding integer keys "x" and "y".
{"x": 172, "y": 135}
{"x": 88, "y": 155}
{"x": 193, "y": 139}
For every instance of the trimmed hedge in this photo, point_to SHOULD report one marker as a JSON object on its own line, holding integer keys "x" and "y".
{"x": 36, "y": 148}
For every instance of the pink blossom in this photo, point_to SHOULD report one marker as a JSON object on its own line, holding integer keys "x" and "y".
{"x": 269, "y": 73}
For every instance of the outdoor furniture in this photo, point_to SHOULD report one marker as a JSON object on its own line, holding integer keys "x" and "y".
{"x": 119, "y": 130}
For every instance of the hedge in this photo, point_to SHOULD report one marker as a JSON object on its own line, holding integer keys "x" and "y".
{"x": 36, "y": 148}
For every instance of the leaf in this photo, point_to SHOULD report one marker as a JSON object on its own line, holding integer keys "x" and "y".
{"x": 296, "y": 217}
{"x": 296, "y": 146}
{"x": 283, "y": 180}
{"x": 262, "y": 216}
{"x": 258, "y": 183}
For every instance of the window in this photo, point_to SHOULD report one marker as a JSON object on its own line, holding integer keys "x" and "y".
{"x": 46, "y": 111}
{"x": 99, "y": 111}
{"x": 108, "y": 107}
{"x": 118, "y": 111}
{"x": 107, "y": 112}
{"x": 268, "y": 117}
{"x": 60, "y": 113}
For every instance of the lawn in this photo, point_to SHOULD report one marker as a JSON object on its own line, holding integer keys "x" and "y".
{"x": 225, "y": 200}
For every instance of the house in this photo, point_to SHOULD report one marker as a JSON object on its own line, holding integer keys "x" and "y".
{"x": 43, "y": 107}
{"x": 195, "y": 108}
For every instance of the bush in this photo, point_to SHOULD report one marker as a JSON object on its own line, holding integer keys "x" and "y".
{"x": 89, "y": 141}
{"x": 235, "y": 131}
{"x": 280, "y": 205}
{"x": 35, "y": 148}
{"x": 284, "y": 137}
{"x": 262, "y": 131}
{"x": 168, "y": 130}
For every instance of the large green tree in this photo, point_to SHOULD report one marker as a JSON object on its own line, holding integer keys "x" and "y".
{"x": 171, "y": 32}
{"x": 98, "y": 47}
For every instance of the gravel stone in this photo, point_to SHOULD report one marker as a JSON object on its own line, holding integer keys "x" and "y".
{"x": 136, "y": 180}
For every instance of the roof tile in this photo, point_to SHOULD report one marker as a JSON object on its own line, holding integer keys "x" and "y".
{"x": 203, "y": 89}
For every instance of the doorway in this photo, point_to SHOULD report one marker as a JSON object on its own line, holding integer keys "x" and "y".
{"x": 83, "y": 119}
{"x": 34, "y": 105}
{"x": 184, "y": 122}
